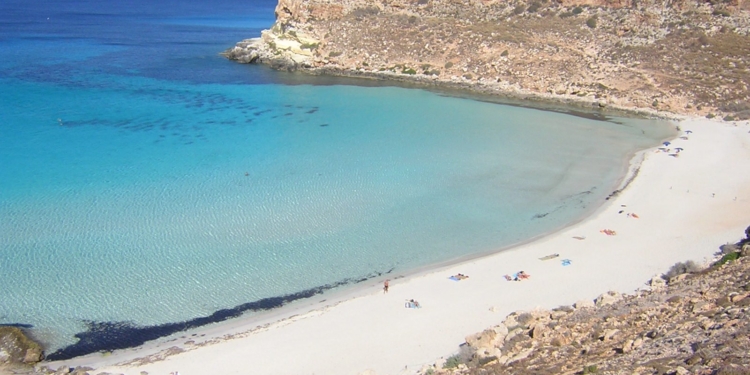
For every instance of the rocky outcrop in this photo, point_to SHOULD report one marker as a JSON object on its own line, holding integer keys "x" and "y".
{"x": 684, "y": 56}
{"x": 697, "y": 323}
{"x": 16, "y": 349}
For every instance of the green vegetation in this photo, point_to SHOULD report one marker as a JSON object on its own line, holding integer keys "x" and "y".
{"x": 505, "y": 53}
{"x": 409, "y": 71}
{"x": 519, "y": 9}
{"x": 335, "y": 54}
{"x": 534, "y": 7}
{"x": 577, "y": 10}
{"x": 309, "y": 46}
{"x": 452, "y": 361}
{"x": 448, "y": 65}
{"x": 591, "y": 22}
{"x": 722, "y": 12}
{"x": 590, "y": 370}
{"x": 727, "y": 258}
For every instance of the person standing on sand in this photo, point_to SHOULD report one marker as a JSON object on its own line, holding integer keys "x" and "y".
{"x": 385, "y": 286}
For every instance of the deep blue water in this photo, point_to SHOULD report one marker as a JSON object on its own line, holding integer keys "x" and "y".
{"x": 148, "y": 185}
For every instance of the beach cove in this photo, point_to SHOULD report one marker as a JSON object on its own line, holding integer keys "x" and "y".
{"x": 149, "y": 186}
{"x": 686, "y": 207}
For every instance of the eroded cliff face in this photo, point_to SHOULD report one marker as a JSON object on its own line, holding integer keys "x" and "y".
{"x": 682, "y": 56}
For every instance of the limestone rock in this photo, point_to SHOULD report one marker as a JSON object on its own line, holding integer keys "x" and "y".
{"x": 16, "y": 347}
{"x": 33, "y": 355}
{"x": 607, "y": 298}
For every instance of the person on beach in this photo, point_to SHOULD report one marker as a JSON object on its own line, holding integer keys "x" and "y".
{"x": 385, "y": 286}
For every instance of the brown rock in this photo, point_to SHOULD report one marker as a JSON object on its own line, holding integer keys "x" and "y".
{"x": 33, "y": 355}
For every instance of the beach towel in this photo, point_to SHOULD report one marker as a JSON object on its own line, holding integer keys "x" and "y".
{"x": 566, "y": 262}
{"x": 548, "y": 257}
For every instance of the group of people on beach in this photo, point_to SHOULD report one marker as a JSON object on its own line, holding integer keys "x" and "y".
{"x": 412, "y": 304}
{"x": 521, "y": 275}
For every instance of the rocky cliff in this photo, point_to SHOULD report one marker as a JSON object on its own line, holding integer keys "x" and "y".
{"x": 680, "y": 56}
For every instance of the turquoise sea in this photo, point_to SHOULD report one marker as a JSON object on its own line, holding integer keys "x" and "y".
{"x": 147, "y": 185}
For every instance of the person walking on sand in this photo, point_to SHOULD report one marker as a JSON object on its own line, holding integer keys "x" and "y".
{"x": 385, "y": 286}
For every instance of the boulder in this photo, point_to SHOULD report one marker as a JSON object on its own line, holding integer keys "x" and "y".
{"x": 33, "y": 355}
{"x": 538, "y": 330}
{"x": 584, "y": 303}
{"x": 657, "y": 283}
{"x": 484, "y": 339}
{"x": 501, "y": 330}
{"x": 16, "y": 347}
{"x": 607, "y": 298}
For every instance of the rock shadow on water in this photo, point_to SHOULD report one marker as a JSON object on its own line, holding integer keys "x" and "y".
{"x": 109, "y": 336}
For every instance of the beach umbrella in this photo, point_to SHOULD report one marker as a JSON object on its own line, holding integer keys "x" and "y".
{"x": 679, "y": 149}
{"x": 667, "y": 143}
{"x": 688, "y": 131}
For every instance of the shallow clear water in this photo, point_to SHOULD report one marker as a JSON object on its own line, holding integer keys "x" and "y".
{"x": 145, "y": 179}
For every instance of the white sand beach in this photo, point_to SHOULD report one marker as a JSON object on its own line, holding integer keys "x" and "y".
{"x": 686, "y": 203}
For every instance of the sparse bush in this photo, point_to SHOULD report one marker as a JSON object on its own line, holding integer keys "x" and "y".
{"x": 533, "y": 7}
{"x": 682, "y": 267}
{"x": 448, "y": 65}
{"x": 727, "y": 258}
{"x": 310, "y": 46}
{"x": 590, "y": 369}
{"x": 519, "y": 9}
{"x": 722, "y": 12}
{"x": 655, "y": 103}
{"x": 728, "y": 248}
{"x": 591, "y": 22}
{"x": 728, "y": 118}
{"x": 710, "y": 115}
{"x": 409, "y": 71}
{"x": 703, "y": 40}
{"x": 452, "y": 361}
{"x": 577, "y": 10}
{"x": 335, "y": 54}
{"x": 365, "y": 12}
{"x": 505, "y": 53}
{"x": 468, "y": 76}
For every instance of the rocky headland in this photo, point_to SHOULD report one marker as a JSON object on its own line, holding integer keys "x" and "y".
{"x": 674, "y": 56}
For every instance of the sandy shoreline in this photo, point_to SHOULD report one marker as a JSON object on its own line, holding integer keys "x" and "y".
{"x": 686, "y": 206}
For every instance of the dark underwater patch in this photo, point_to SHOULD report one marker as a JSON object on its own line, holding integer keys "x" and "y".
{"x": 108, "y": 336}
